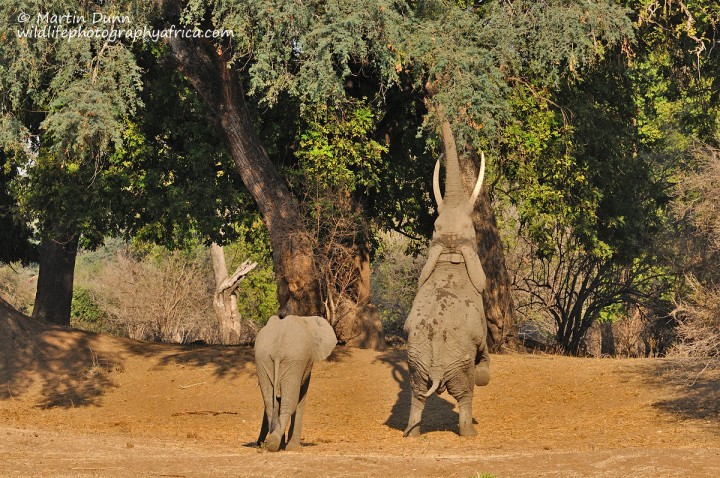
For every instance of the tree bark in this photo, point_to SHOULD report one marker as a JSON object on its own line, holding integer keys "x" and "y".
{"x": 53, "y": 299}
{"x": 497, "y": 296}
{"x": 359, "y": 322}
{"x": 298, "y": 277}
{"x": 607, "y": 339}
{"x": 233, "y": 328}
{"x": 218, "y": 84}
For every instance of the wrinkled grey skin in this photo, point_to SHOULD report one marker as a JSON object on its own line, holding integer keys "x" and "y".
{"x": 447, "y": 332}
{"x": 285, "y": 350}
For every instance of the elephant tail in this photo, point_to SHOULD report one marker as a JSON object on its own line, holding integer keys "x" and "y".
{"x": 433, "y": 388}
{"x": 436, "y": 372}
{"x": 276, "y": 380}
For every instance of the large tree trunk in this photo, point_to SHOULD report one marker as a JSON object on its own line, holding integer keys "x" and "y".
{"x": 355, "y": 319}
{"x": 497, "y": 296}
{"x": 220, "y": 87}
{"x": 55, "y": 280}
{"x": 297, "y": 276}
{"x": 607, "y": 339}
{"x": 233, "y": 328}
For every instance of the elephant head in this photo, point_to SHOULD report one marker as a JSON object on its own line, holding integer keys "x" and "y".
{"x": 454, "y": 233}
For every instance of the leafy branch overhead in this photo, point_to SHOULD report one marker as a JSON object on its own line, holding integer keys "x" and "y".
{"x": 316, "y": 123}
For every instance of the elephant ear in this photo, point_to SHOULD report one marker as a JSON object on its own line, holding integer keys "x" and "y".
{"x": 324, "y": 335}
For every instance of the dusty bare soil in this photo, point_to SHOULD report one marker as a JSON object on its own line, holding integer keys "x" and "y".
{"x": 78, "y": 404}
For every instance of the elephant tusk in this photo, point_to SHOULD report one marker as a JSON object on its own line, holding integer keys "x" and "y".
{"x": 478, "y": 184}
{"x": 436, "y": 183}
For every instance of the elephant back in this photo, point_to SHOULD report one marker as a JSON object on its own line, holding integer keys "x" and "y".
{"x": 283, "y": 338}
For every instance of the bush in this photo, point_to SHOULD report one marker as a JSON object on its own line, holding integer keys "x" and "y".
{"x": 160, "y": 296}
{"x": 698, "y": 327}
{"x": 87, "y": 314}
{"x": 393, "y": 282}
{"x": 17, "y": 286}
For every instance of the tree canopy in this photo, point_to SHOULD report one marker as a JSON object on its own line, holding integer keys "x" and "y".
{"x": 588, "y": 111}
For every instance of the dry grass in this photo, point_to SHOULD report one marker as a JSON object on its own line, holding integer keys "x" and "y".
{"x": 698, "y": 328}
{"x": 160, "y": 299}
{"x": 17, "y": 286}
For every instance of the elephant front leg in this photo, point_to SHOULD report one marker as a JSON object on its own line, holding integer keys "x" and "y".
{"x": 417, "y": 405}
{"x": 482, "y": 366}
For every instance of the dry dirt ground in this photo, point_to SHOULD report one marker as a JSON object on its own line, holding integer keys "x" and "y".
{"x": 78, "y": 404}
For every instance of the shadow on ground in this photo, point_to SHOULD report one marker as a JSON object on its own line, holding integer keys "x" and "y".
{"x": 72, "y": 368}
{"x": 439, "y": 413}
{"x": 693, "y": 388}
{"x": 68, "y": 368}
{"x": 339, "y": 354}
{"x": 226, "y": 361}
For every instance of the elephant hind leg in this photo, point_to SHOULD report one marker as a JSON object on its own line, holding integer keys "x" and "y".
{"x": 264, "y": 428}
{"x": 270, "y": 415}
{"x": 296, "y": 421}
{"x": 287, "y": 407}
{"x": 465, "y": 425}
{"x": 417, "y": 405}
{"x": 461, "y": 387}
{"x": 274, "y": 440}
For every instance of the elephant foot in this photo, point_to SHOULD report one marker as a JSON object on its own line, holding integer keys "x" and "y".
{"x": 293, "y": 445}
{"x": 273, "y": 443}
{"x": 468, "y": 431}
{"x": 412, "y": 432}
{"x": 482, "y": 374}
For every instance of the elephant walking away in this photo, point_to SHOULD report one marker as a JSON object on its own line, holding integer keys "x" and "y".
{"x": 285, "y": 350}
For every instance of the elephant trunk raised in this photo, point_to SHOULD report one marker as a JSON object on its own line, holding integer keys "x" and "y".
{"x": 447, "y": 332}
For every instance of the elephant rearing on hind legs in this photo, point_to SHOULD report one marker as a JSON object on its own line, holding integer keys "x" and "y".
{"x": 447, "y": 348}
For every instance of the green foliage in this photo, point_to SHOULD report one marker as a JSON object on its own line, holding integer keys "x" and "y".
{"x": 337, "y": 162}
{"x": 84, "y": 307}
{"x": 88, "y": 314}
{"x": 15, "y": 233}
{"x": 257, "y": 293}
{"x": 176, "y": 182}
{"x": 66, "y": 104}
{"x": 575, "y": 167}
{"x": 305, "y": 49}
{"x": 677, "y": 77}
{"x": 394, "y": 280}
{"x": 336, "y": 149}
{"x": 86, "y": 107}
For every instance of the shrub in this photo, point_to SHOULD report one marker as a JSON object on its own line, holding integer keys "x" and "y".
{"x": 87, "y": 314}
{"x": 394, "y": 278}
{"x": 17, "y": 286}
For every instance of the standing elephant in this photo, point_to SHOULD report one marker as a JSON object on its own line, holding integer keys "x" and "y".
{"x": 285, "y": 350}
{"x": 446, "y": 327}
